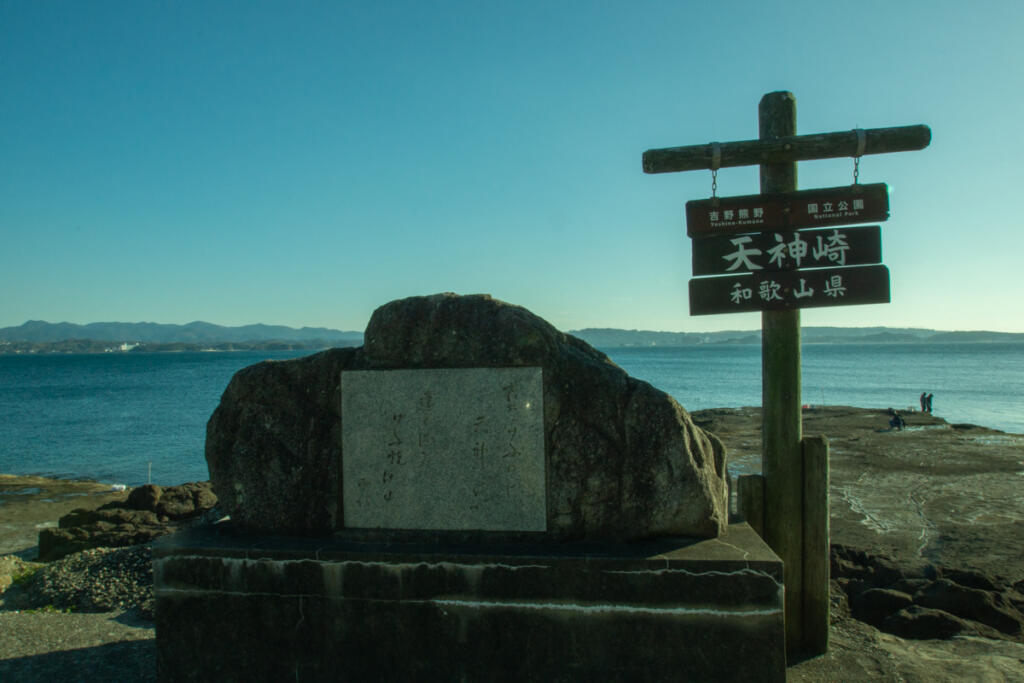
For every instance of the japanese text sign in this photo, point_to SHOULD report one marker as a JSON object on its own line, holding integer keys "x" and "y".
{"x": 444, "y": 449}
{"x": 819, "y": 208}
{"x": 769, "y": 291}
{"x": 774, "y": 251}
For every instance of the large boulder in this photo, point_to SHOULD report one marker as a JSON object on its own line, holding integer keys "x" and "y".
{"x": 623, "y": 459}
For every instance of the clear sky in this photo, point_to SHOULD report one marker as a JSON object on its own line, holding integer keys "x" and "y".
{"x": 302, "y": 163}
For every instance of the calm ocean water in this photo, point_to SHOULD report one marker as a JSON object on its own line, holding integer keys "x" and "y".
{"x": 129, "y": 418}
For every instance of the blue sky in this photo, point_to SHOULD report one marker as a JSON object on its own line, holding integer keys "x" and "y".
{"x": 303, "y": 163}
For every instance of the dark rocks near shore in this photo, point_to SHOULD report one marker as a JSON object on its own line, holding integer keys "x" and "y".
{"x": 150, "y": 511}
{"x": 927, "y": 601}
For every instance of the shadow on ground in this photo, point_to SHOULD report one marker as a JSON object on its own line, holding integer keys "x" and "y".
{"x": 124, "y": 661}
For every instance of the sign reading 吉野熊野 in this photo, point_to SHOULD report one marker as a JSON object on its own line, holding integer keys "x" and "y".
{"x": 818, "y": 208}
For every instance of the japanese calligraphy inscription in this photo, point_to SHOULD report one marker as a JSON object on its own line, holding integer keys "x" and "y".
{"x": 444, "y": 449}
{"x": 792, "y": 289}
{"x": 773, "y": 251}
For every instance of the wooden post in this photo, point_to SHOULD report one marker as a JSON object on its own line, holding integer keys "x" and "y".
{"x": 780, "y": 395}
{"x": 794, "y": 483}
{"x": 816, "y": 545}
{"x": 750, "y": 500}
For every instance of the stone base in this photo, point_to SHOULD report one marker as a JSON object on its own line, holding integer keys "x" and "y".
{"x": 244, "y": 608}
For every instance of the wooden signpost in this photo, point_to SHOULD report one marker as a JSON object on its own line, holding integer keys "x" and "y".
{"x": 795, "y": 470}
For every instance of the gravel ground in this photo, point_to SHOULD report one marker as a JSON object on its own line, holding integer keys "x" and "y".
{"x": 97, "y": 580}
{"x": 57, "y": 646}
{"x": 86, "y": 617}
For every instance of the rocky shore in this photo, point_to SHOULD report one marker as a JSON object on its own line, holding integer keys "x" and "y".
{"x": 926, "y": 528}
{"x": 927, "y": 567}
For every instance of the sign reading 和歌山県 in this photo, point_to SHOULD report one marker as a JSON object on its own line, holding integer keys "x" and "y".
{"x": 773, "y": 251}
{"x": 784, "y": 290}
{"x": 787, "y": 211}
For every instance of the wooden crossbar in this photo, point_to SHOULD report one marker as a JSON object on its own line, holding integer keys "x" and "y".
{"x": 788, "y": 149}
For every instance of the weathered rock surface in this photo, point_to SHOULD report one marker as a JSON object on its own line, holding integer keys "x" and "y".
{"x": 933, "y": 494}
{"x": 923, "y": 623}
{"x": 148, "y": 512}
{"x": 940, "y": 606}
{"x": 624, "y": 460}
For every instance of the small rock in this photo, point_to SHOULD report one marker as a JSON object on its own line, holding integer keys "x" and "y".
{"x": 910, "y": 586}
{"x": 875, "y": 604}
{"x": 186, "y": 500}
{"x": 854, "y": 587}
{"x": 970, "y": 579}
{"x": 878, "y": 571}
{"x": 971, "y": 603}
{"x": 145, "y": 497}
{"x": 923, "y": 623}
{"x": 57, "y": 543}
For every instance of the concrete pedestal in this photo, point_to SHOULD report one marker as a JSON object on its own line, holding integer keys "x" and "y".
{"x": 244, "y": 608}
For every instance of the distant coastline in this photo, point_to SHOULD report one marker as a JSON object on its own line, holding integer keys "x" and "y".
{"x": 38, "y": 337}
{"x": 609, "y": 338}
{"x": 71, "y": 346}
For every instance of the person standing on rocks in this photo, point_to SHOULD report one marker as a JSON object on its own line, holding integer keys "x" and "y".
{"x": 928, "y": 402}
{"x": 924, "y": 402}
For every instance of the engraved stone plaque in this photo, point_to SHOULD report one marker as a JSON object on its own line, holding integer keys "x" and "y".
{"x": 444, "y": 449}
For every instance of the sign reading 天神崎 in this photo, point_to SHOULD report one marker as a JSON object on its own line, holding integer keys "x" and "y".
{"x": 787, "y": 211}
{"x": 773, "y": 251}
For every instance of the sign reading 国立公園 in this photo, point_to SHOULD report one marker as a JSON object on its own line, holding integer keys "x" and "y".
{"x": 818, "y": 208}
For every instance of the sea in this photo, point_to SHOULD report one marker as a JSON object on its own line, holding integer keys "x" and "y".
{"x": 133, "y": 418}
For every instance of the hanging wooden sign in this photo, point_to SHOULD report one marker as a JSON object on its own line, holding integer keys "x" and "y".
{"x": 774, "y": 251}
{"x": 819, "y": 208}
{"x": 785, "y": 290}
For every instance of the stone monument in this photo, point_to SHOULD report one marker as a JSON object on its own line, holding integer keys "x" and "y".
{"x": 471, "y": 495}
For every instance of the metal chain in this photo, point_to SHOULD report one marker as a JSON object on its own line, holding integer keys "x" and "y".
{"x": 716, "y": 163}
{"x": 862, "y": 143}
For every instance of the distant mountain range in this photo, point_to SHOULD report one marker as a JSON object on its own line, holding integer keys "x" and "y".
{"x": 192, "y": 333}
{"x": 156, "y": 336}
{"x": 607, "y": 338}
